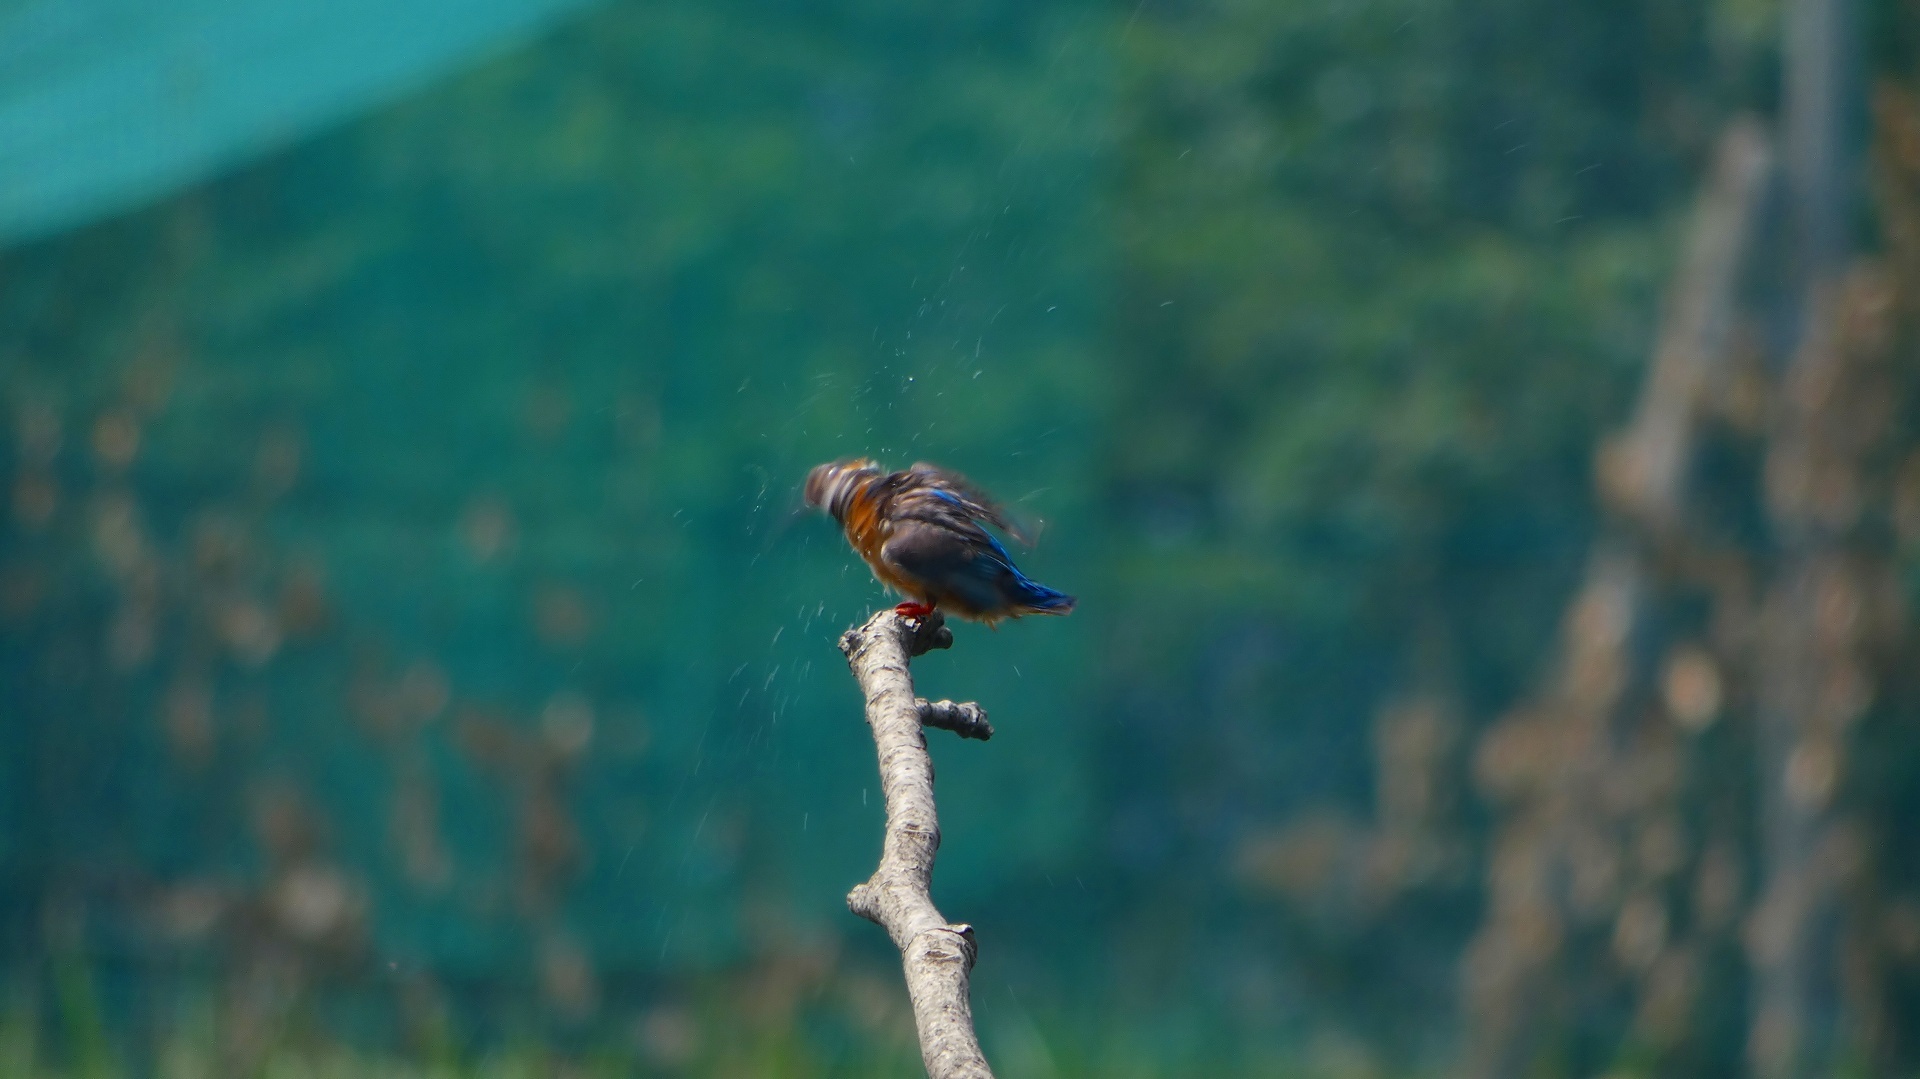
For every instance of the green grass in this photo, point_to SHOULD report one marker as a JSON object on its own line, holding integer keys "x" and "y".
{"x": 769, "y": 1021}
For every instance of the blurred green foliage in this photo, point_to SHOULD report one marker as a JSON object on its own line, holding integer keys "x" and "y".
{"x": 402, "y": 587}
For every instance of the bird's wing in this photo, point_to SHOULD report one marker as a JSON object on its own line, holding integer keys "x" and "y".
{"x": 970, "y": 567}
{"x": 960, "y": 493}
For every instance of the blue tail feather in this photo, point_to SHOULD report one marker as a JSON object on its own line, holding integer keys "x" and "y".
{"x": 1027, "y": 592}
{"x": 1039, "y": 597}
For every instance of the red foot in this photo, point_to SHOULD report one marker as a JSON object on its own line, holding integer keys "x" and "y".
{"x": 915, "y": 611}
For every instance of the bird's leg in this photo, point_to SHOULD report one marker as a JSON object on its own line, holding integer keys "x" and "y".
{"x": 915, "y": 611}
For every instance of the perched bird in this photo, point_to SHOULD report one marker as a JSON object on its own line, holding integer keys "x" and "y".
{"x": 921, "y": 532}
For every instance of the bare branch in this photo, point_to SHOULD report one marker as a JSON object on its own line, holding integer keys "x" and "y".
{"x": 1643, "y": 470}
{"x": 967, "y": 720}
{"x": 1560, "y": 784}
{"x": 938, "y": 957}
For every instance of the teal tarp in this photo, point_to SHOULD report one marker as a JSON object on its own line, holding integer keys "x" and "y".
{"x": 109, "y": 104}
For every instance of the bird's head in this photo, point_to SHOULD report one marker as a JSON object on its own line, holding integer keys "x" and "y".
{"x": 832, "y": 487}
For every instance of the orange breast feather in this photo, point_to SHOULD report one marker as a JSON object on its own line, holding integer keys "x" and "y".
{"x": 867, "y": 531}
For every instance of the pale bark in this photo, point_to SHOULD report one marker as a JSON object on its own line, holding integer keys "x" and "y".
{"x": 967, "y": 720}
{"x": 937, "y": 956}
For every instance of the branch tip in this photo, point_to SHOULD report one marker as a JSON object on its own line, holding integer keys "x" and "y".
{"x": 927, "y": 633}
{"x": 968, "y": 720}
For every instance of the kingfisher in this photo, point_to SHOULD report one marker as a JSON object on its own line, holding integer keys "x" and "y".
{"x": 922, "y": 533}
